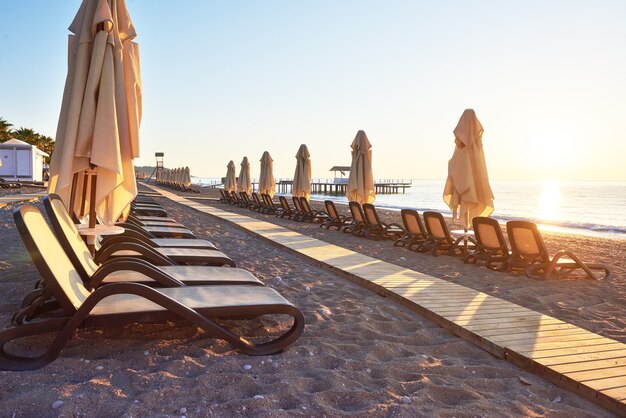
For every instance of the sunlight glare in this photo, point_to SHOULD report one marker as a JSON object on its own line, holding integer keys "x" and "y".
{"x": 550, "y": 200}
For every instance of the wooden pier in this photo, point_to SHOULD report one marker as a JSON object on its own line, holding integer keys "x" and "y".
{"x": 334, "y": 187}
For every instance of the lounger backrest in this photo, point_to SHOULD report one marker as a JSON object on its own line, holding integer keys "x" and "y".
{"x": 412, "y": 221}
{"x": 268, "y": 200}
{"x": 255, "y": 197}
{"x": 68, "y": 236}
{"x": 435, "y": 225}
{"x": 356, "y": 211}
{"x": 526, "y": 240}
{"x": 371, "y": 217}
{"x": 305, "y": 204}
{"x": 297, "y": 203}
{"x": 284, "y": 204}
{"x": 55, "y": 267}
{"x": 331, "y": 209}
{"x": 489, "y": 234}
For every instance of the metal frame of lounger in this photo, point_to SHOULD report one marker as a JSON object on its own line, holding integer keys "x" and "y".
{"x": 415, "y": 234}
{"x": 532, "y": 256}
{"x": 120, "y": 303}
{"x": 491, "y": 247}
{"x": 377, "y": 229}
{"x": 131, "y": 246}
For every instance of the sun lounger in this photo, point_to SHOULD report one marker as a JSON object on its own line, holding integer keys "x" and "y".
{"x": 270, "y": 207}
{"x": 310, "y": 215}
{"x": 285, "y": 210}
{"x": 257, "y": 205}
{"x": 147, "y": 210}
{"x": 109, "y": 271}
{"x": 9, "y": 185}
{"x": 528, "y": 252}
{"x": 298, "y": 212}
{"x": 122, "y": 303}
{"x": 334, "y": 219}
{"x": 377, "y": 229}
{"x": 357, "y": 225}
{"x": 415, "y": 233}
{"x": 439, "y": 238}
{"x": 224, "y": 198}
{"x": 491, "y": 247}
{"x": 126, "y": 246}
{"x": 245, "y": 199}
{"x": 237, "y": 201}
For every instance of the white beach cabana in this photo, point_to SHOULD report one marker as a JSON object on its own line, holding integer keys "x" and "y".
{"x": 20, "y": 160}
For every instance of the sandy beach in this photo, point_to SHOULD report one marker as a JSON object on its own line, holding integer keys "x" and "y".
{"x": 360, "y": 354}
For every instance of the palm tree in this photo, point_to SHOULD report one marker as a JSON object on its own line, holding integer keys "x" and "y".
{"x": 26, "y": 134}
{"x": 5, "y": 130}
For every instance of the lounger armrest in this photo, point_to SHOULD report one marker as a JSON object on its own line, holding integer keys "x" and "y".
{"x": 154, "y": 257}
{"x": 128, "y": 236}
{"x": 133, "y": 231}
{"x": 133, "y": 227}
{"x": 132, "y": 264}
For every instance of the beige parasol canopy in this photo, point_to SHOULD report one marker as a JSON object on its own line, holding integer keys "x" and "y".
{"x": 467, "y": 191}
{"x": 244, "y": 182}
{"x": 230, "y": 182}
{"x": 187, "y": 178}
{"x": 361, "y": 181}
{"x": 302, "y": 176}
{"x": 267, "y": 184}
{"x": 100, "y": 113}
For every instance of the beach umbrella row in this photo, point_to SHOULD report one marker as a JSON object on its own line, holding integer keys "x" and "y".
{"x": 467, "y": 191}
{"x": 267, "y": 183}
{"x": 176, "y": 177}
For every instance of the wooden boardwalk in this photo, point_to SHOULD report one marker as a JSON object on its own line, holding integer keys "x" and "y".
{"x": 568, "y": 356}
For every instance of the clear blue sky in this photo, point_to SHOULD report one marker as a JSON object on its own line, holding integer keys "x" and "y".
{"x": 224, "y": 79}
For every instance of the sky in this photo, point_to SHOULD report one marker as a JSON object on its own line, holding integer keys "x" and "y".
{"x": 227, "y": 79}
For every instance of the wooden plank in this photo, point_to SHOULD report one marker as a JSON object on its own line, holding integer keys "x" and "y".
{"x": 490, "y": 332}
{"x": 583, "y": 357}
{"x": 589, "y": 365}
{"x": 556, "y": 353}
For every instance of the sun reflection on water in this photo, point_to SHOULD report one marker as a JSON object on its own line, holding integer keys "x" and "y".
{"x": 550, "y": 200}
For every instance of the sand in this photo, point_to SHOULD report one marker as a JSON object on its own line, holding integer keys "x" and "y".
{"x": 360, "y": 354}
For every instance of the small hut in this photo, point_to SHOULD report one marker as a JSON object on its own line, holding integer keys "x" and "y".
{"x": 21, "y": 161}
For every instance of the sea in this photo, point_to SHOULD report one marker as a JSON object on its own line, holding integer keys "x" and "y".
{"x": 579, "y": 207}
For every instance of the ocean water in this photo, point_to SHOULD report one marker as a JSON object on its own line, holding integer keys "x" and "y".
{"x": 580, "y": 207}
